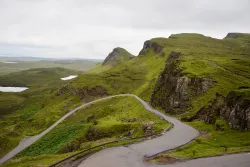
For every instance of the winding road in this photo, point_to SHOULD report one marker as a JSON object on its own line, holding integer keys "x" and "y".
{"x": 132, "y": 155}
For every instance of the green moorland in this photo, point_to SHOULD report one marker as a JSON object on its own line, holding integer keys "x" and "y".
{"x": 225, "y": 61}
{"x": 26, "y": 113}
{"x": 22, "y": 64}
{"x": 112, "y": 119}
{"x": 137, "y": 75}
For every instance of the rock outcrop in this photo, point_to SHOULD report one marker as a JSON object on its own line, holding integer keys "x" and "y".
{"x": 234, "y": 109}
{"x": 173, "y": 90}
{"x": 157, "y": 48}
{"x": 84, "y": 92}
{"x": 97, "y": 91}
{"x": 117, "y": 55}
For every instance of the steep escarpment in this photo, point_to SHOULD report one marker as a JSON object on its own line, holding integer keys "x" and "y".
{"x": 173, "y": 90}
{"x": 150, "y": 45}
{"x": 234, "y": 108}
{"x": 117, "y": 55}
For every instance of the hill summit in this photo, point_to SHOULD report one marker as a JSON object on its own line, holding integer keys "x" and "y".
{"x": 117, "y": 55}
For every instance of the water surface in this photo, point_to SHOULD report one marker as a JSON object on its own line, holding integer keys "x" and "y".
{"x": 69, "y": 77}
{"x": 12, "y": 89}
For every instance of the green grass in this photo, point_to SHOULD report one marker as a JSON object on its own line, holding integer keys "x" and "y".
{"x": 212, "y": 142}
{"x": 106, "y": 119}
{"x": 43, "y": 160}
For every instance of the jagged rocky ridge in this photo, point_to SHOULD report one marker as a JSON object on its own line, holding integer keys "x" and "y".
{"x": 117, "y": 55}
{"x": 173, "y": 90}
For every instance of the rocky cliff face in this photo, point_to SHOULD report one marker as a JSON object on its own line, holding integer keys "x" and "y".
{"x": 173, "y": 90}
{"x": 158, "y": 49}
{"x": 234, "y": 108}
{"x": 117, "y": 55}
{"x": 236, "y": 111}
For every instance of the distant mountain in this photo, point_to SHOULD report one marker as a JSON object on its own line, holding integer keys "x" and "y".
{"x": 7, "y": 58}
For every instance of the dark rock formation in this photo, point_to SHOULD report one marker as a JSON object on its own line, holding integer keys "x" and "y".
{"x": 62, "y": 90}
{"x": 97, "y": 91}
{"x": 148, "y": 128}
{"x": 234, "y": 108}
{"x": 236, "y": 111}
{"x": 117, "y": 55}
{"x": 174, "y": 90}
{"x": 210, "y": 112}
{"x": 158, "y": 49}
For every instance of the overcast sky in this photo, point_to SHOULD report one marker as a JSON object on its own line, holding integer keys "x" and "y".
{"x": 92, "y": 28}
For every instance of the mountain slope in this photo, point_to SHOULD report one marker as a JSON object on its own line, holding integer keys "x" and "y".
{"x": 117, "y": 55}
{"x": 193, "y": 69}
{"x": 199, "y": 70}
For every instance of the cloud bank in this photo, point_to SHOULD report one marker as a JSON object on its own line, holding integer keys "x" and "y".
{"x": 92, "y": 28}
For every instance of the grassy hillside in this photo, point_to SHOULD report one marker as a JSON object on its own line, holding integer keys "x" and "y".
{"x": 104, "y": 121}
{"x": 137, "y": 75}
{"x": 26, "y": 113}
{"x": 227, "y": 62}
{"x": 224, "y": 61}
{"x": 36, "y": 77}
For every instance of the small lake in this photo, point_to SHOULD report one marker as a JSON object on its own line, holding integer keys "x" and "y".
{"x": 12, "y": 89}
{"x": 69, "y": 77}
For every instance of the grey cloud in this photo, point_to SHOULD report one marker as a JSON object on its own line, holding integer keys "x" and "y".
{"x": 92, "y": 28}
